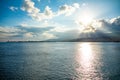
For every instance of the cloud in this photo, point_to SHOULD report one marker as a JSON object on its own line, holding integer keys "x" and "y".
{"x": 115, "y": 21}
{"x": 9, "y": 32}
{"x": 10, "y": 29}
{"x": 48, "y": 12}
{"x": 28, "y": 35}
{"x": 68, "y": 10}
{"x": 113, "y": 25}
{"x": 76, "y": 5}
{"x": 25, "y": 33}
{"x": 47, "y": 35}
{"x": 106, "y": 26}
{"x": 84, "y": 4}
{"x": 29, "y": 7}
{"x": 42, "y": 24}
{"x": 23, "y": 25}
{"x": 13, "y": 8}
{"x": 36, "y": 14}
{"x": 33, "y": 28}
{"x": 67, "y": 35}
{"x": 59, "y": 29}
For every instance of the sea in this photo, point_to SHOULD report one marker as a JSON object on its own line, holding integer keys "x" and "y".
{"x": 59, "y": 61}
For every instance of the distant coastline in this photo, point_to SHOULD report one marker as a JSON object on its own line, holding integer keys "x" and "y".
{"x": 74, "y": 40}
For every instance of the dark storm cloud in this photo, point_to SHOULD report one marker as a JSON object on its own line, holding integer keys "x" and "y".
{"x": 112, "y": 25}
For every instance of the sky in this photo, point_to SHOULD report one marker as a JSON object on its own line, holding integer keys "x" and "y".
{"x": 38, "y": 20}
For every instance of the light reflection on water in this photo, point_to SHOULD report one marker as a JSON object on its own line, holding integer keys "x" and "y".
{"x": 86, "y": 59}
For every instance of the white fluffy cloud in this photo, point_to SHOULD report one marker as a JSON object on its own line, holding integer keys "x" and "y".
{"x": 48, "y": 12}
{"x": 29, "y": 7}
{"x": 13, "y": 8}
{"x": 68, "y": 10}
{"x": 35, "y": 13}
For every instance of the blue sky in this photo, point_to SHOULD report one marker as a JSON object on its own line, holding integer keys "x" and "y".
{"x": 52, "y": 19}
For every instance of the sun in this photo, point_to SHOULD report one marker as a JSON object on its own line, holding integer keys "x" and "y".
{"x": 85, "y": 19}
{"x": 86, "y": 22}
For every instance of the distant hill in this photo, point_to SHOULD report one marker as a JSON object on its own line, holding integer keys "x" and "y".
{"x": 92, "y": 37}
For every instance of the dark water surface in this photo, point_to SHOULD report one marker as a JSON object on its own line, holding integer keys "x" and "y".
{"x": 60, "y": 61}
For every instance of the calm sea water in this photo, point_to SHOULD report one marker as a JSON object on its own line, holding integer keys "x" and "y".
{"x": 60, "y": 61}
